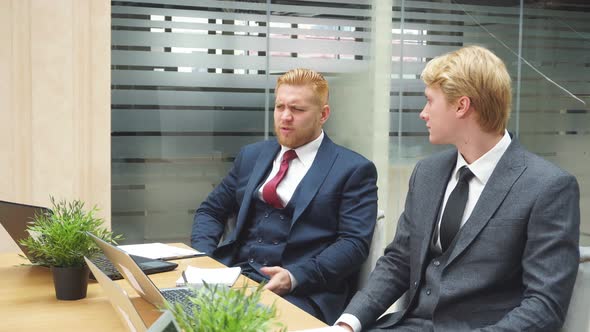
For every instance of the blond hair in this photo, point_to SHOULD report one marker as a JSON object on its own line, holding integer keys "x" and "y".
{"x": 477, "y": 73}
{"x": 303, "y": 76}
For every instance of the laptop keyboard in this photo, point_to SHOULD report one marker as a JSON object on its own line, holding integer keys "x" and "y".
{"x": 180, "y": 295}
{"x": 105, "y": 265}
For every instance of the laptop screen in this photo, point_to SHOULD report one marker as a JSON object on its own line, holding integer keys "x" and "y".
{"x": 15, "y": 218}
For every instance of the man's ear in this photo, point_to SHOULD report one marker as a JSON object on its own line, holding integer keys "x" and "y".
{"x": 463, "y": 106}
{"x": 325, "y": 113}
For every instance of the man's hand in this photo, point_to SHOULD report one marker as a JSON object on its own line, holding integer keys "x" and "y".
{"x": 280, "y": 281}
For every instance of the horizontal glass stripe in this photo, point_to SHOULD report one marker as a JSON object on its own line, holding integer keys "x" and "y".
{"x": 214, "y": 165}
{"x": 162, "y": 197}
{"x": 320, "y": 21}
{"x": 184, "y": 148}
{"x": 120, "y": 23}
{"x": 159, "y": 78}
{"x": 136, "y": 38}
{"x": 198, "y": 78}
{"x": 187, "y": 121}
{"x": 310, "y": 8}
{"x": 187, "y": 98}
{"x": 178, "y": 133}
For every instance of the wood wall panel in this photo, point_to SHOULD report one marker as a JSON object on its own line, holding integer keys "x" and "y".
{"x": 55, "y": 103}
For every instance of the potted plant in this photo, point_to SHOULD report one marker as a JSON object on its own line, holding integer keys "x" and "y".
{"x": 60, "y": 240}
{"x": 218, "y": 308}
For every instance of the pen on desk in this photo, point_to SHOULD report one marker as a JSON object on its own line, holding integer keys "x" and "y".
{"x": 184, "y": 277}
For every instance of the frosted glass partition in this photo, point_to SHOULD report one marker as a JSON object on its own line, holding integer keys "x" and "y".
{"x": 193, "y": 81}
{"x": 188, "y": 90}
{"x": 429, "y": 29}
{"x": 545, "y": 47}
{"x": 335, "y": 39}
{"x": 554, "y": 121}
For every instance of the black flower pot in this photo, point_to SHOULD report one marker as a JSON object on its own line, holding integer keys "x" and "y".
{"x": 71, "y": 283}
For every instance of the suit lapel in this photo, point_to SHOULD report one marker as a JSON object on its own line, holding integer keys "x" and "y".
{"x": 507, "y": 171}
{"x": 311, "y": 182}
{"x": 263, "y": 162}
{"x": 436, "y": 180}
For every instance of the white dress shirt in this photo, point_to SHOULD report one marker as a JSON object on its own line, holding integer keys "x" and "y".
{"x": 298, "y": 167}
{"x": 482, "y": 169}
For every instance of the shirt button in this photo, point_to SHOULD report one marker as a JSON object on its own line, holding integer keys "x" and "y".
{"x": 251, "y": 260}
{"x": 428, "y": 291}
{"x": 436, "y": 263}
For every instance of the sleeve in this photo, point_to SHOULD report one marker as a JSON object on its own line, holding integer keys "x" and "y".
{"x": 211, "y": 217}
{"x": 357, "y": 216}
{"x": 391, "y": 276}
{"x": 352, "y": 321}
{"x": 550, "y": 260}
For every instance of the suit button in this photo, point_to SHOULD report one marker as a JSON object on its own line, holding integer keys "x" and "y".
{"x": 275, "y": 242}
{"x": 259, "y": 240}
{"x": 266, "y": 215}
{"x": 428, "y": 291}
{"x": 265, "y": 263}
{"x": 436, "y": 263}
{"x": 415, "y": 284}
{"x": 282, "y": 217}
{"x": 251, "y": 260}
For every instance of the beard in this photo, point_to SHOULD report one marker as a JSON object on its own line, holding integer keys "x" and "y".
{"x": 295, "y": 138}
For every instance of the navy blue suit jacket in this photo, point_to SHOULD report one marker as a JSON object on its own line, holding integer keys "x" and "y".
{"x": 335, "y": 208}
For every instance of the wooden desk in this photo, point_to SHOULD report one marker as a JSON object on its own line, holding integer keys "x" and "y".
{"x": 28, "y": 303}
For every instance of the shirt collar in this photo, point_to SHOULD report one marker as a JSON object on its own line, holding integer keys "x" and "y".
{"x": 305, "y": 153}
{"x": 483, "y": 167}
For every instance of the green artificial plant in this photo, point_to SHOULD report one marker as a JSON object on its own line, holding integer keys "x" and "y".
{"x": 218, "y": 308}
{"x": 60, "y": 238}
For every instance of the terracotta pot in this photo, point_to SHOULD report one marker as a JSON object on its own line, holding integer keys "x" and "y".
{"x": 71, "y": 283}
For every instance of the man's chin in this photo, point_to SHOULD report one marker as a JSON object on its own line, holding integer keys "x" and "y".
{"x": 437, "y": 140}
{"x": 288, "y": 143}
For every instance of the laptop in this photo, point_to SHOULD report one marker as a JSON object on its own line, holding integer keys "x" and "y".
{"x": 15, "y": 218}
{"x": 141, "y": 282}
{"x": 125, "y": 309}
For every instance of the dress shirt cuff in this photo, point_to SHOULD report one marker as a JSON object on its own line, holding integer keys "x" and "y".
{"x": 351, "y": 320}
{"x": 293, "y": 281}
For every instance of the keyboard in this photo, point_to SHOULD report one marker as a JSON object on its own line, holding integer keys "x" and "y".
{"x": 180, "y": 295}
{"x": 105, "y": 265}
{"x": 147, "y": 265}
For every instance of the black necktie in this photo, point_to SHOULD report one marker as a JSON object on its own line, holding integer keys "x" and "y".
{"x": 451, "y": 219}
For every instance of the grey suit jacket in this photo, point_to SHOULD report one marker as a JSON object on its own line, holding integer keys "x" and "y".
{"x": 513, "y": 264}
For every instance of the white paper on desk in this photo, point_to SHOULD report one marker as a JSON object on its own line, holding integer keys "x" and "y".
{"x": 221, "y": 276}
{"x": 158, "y": 251}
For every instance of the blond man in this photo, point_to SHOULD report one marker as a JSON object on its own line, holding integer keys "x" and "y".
{"x": 305, "y": 208}
{"x": 488, "y": 240}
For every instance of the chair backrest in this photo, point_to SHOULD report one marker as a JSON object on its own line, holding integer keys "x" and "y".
{"x": 377, "y": 247}
{"x": 578, "y": 314}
